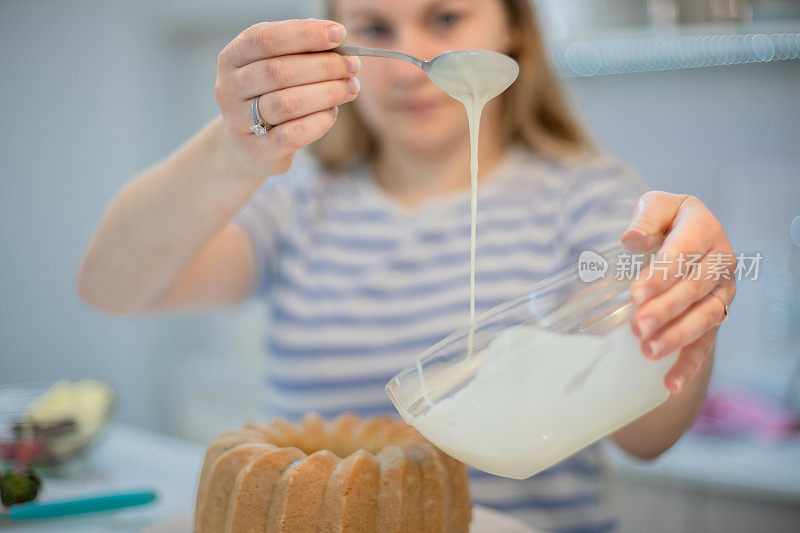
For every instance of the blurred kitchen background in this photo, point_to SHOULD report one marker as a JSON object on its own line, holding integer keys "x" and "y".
{"x": 700, "y": 96}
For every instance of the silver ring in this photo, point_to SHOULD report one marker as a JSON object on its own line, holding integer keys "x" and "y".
{"x": 259, "y": 127}
{"x": 724, "y": 305}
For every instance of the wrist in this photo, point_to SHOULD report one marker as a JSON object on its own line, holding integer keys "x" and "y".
{"x": 232, "y": 162}
{"x": 225, "y": 158}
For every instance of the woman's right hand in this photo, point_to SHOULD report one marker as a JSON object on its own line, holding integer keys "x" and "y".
{"x": 297, "y": 81}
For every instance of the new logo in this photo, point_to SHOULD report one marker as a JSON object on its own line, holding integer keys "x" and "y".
{"x": 591, "y": 266}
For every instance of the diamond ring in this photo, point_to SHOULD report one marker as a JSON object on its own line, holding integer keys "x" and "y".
{"x": 259, "y": 127}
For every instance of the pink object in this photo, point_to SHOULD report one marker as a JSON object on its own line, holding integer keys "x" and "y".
{"x": 23, "y": 451}
{"x": 732, "y": 412}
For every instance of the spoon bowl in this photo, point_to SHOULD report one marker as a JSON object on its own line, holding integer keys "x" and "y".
{"x": 458, "y": 72}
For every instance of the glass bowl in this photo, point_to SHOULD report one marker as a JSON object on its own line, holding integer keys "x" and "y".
{"x": 542, "y": 376}
{"x": 53, "y": 439}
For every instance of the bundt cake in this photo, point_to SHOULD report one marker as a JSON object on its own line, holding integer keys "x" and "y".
{"x": 348, "y": 475}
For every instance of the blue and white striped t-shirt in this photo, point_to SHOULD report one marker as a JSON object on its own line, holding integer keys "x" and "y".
{"x": 358, "y": 286}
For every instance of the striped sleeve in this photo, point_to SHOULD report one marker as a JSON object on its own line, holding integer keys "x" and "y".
{"x": 268, "y": 217}
{"x": 598, "y": 206}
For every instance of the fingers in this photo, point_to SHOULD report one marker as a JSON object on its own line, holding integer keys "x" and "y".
{"x": 267, "y": 75}
{"x": 692, "y": 229}
{"x": 660, "y": 309}
{"x": 288, "y": 104}
{"x": 297, "y": 91}
{"x": 653, "y": 213}
{"x": 289, "y": 137}
{"x": 690, "y": 359}
{"x": 676, "y": 310}
{"x": 287, "y": 87}
{"x": 271, "y": 39}
{"x": 703, "y": 315}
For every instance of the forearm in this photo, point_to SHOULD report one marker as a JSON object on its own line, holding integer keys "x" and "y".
{"x": 161, "y": 221}
{"x": 652, "y": 434}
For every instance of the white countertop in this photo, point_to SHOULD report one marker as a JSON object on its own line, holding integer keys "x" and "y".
{"x": 125, "y": 458}
{"x": 128, "y": 457}
{"x": 761, "y": 471}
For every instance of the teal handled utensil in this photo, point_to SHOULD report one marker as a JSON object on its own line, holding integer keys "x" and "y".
{"x": 83, "y": 505}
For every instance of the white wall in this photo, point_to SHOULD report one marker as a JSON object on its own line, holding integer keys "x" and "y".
{"x": 92, "y": 92}
{"x": 72, "y": 134}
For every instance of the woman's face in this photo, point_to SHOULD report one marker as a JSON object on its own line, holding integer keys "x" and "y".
{"x": 397, "y": 101}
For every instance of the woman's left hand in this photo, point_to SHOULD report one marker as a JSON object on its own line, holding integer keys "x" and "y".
{"x": 676, "y": 310}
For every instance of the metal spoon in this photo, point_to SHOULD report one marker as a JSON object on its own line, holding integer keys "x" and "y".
{"x": 377, "y": 52}
{"x": 463, "y": 74}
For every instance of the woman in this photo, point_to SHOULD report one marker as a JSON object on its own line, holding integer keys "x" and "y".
{"x": 362, "y": 250}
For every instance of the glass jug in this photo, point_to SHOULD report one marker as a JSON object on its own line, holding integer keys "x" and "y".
{"x": 538, "y": 378}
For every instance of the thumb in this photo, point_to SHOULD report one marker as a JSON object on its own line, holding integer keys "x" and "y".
{"x": 654, "y": 213}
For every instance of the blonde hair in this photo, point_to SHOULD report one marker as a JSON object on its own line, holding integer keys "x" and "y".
{"x": 534, "y": 110}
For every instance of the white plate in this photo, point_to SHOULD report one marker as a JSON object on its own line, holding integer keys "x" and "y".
{"x": 484, "y": 520}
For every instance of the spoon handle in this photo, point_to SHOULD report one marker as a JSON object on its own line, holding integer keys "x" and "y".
{"x": 377, "y": 52}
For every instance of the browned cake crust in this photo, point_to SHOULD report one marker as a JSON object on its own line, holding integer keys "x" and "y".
{"x": 347, "y": 475}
